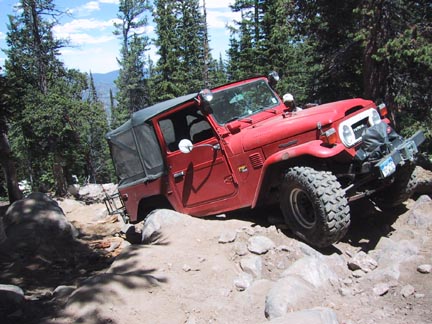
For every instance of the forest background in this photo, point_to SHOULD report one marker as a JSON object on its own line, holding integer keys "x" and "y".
{"x": 52, "y": 122}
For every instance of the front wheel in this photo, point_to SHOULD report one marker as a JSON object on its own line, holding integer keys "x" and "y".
{"x": 314, "y": 206}
{"x": 402, "y": 188}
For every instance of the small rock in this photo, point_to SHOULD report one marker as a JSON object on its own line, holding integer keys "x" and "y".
{"x": 417, "y": 295}
{"x": 63, "y": 291}
{"x": 243, "y": 281}
{"x": 260, "y": 244}
{"x": 424, "y": 268}
{"x": 358, "y": 273}
{"x": 407, "y": 291}
{"x": 252, "y": 265}
{"x": 227, "y": 237}
{"x": 381, "y": 289}
{"x": 363, "y": 262}
{"x": 249, "y": 231}
{"x": 113, "y": 246}
{"x": 186, "y": 268}
{"x": 345, "y": 291}
{"x": 240, "y": 248}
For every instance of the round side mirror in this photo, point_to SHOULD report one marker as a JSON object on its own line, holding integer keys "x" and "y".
{"x": 185, "y": 146}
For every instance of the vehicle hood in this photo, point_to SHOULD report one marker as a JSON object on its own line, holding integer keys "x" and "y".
{"x": 280, "y": 127}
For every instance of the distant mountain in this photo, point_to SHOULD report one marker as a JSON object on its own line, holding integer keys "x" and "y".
{"x": 104, "y": 82}
{"x": 105, "y": 78}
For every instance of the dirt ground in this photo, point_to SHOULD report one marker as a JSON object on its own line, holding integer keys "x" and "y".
{"x": 188, "y": 276}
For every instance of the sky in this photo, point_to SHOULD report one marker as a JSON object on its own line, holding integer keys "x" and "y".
{"x": 88, "y": 26}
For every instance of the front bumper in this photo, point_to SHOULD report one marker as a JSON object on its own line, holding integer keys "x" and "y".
{"x": 405, "y": 151}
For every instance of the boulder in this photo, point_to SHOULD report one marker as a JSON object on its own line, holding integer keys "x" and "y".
{"x": 11, "y": 298}
{"x": 36, "y": 222}
{"x": 260, "y": 244}
{"x": 227, "y": 237}
{"x": 96, "y": 192}
{"x": 2, "y": 231}
{"x": 419, "y": 215}
{"x": 313, "y": 270}
{"x": 362, "y": 261}
{"x": 252, "y": 265}
{"x": 318, "y": 315}
{"x": 155, "y": 221}
{"x": 286, "y": 295}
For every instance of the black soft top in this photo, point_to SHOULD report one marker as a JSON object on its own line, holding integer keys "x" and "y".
{"x": 134, "y": 147}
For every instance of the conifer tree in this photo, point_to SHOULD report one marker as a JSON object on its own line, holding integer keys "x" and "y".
{"x": 133, "y": 88}
{"x": 181, "y": 42}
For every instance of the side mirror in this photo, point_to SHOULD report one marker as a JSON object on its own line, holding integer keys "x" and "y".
{"x": 206, "y": 97}
{"x": 185, "y": 146}
{"x": 273, "y": 78}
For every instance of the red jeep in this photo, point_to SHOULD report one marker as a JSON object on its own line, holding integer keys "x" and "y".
{"x": 238, "y": 146}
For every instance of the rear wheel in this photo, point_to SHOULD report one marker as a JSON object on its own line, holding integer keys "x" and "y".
{"x": 314, "y": 206}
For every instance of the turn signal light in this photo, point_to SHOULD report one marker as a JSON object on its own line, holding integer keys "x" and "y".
{"x": 383, "y": 110}
{"x": 329, "y": 136}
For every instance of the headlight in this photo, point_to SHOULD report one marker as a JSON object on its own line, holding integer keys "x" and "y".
{"x": 374, "y": 117}
{"x": 347, "y": 137}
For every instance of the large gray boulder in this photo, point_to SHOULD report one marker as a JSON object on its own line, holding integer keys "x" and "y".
{"x": 155, "y": 221}
{"x": 37, "y": 222}
{"x": 318, "y": 315}
{"x": 2, "y": 231}
{"x": 11, "y": 298}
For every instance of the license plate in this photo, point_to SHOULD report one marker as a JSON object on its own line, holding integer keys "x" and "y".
{"x": 387, "y": 167}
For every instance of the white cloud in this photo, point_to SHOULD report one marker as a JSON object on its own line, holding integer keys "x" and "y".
{"x": 109, "y": 1}
{"x": 2, "y": 36}
{"x": 85, "y": 10}
{"x": 219, "y": 19}
{"x": 96, "y": 59}
{"x": 86, "y": 39}
{"x": 84, "y": 24}
{"x": 86, "y": 31}
{"x": 218, "y": 4}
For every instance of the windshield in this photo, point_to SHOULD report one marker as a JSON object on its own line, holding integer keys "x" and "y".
{"x": 242, "y": 101}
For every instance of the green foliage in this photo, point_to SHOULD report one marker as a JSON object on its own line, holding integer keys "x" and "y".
{"x": 58, "y": 124}
{"x": 133, "y": 87}
{"x": 181, "y": 30}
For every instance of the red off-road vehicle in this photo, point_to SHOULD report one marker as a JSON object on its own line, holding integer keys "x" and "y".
{"x": 238, "y": 146}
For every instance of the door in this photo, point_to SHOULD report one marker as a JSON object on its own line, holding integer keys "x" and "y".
{"x": 203, "y": 175}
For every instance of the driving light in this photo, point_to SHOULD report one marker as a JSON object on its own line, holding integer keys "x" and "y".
{"x": 348, "y": 137}
{"x": 374, "y": 118}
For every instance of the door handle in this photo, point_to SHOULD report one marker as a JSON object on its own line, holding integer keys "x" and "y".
{"x": 178, "y": 174}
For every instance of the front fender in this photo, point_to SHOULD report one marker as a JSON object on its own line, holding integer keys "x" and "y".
{"x": 313, "y": 148}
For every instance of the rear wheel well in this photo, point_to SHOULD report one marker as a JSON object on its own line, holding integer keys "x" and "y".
{"x": 148, "y": 204}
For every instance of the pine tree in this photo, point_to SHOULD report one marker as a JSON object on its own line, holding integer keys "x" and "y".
{"x": 133, "y": 88}
{"x": 33, "y": 64}
{"x": 181, "y": 42}
{"x": 6, "y": 157}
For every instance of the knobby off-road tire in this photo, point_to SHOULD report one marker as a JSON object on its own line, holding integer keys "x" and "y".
{"x": 314, "y": 206}
{"x": 403, "y": 187}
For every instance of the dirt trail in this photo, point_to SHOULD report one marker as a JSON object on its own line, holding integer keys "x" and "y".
{"x": 189, "y": 277}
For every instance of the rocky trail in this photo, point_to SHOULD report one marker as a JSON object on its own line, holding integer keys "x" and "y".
{"x": 71, "y": 263}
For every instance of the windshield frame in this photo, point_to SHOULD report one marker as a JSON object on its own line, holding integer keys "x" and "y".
{"x": 242, "y": 101}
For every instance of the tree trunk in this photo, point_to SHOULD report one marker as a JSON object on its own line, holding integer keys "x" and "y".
{"x": 59, "y": 177}
{"x": 6, "y": 161}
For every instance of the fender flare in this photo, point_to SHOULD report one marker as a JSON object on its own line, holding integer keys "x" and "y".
{"x": 312, "y": 148}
